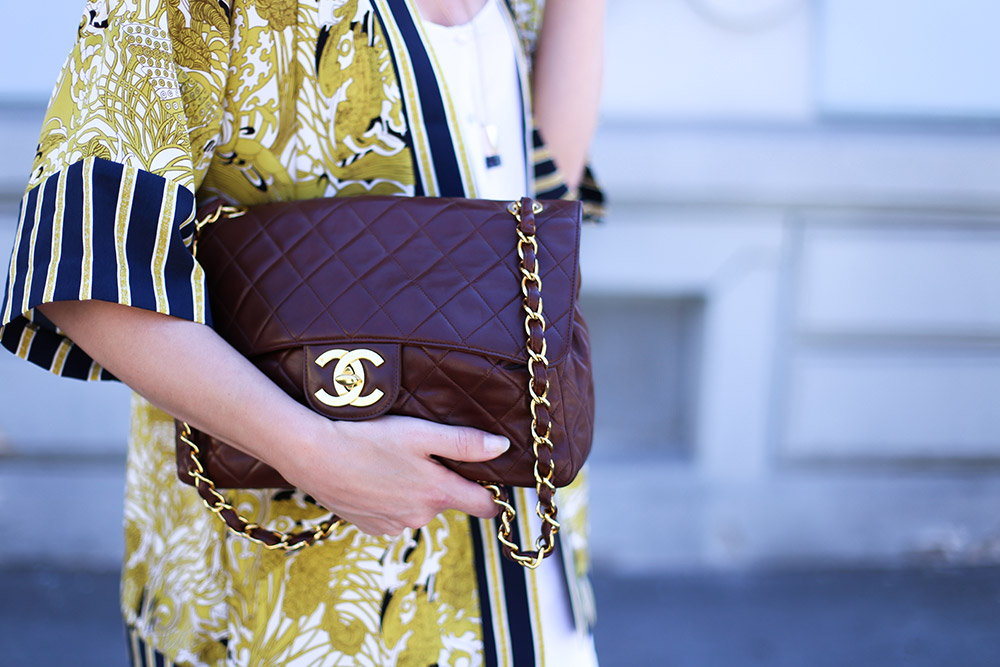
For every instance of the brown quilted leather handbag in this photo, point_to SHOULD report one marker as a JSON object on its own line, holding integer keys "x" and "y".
{"x": 424, "y": 307}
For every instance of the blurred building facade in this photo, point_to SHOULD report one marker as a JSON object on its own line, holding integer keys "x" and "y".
{"x": 793, "y": 302}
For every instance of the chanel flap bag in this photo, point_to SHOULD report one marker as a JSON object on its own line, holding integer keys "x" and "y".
{"x": 424, "y": 307}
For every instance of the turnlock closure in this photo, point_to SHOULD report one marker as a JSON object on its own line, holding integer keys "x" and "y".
{"x": 349, "y": 378}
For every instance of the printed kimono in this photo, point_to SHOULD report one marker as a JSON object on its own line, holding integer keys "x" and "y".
{"x": 164, "y": 103}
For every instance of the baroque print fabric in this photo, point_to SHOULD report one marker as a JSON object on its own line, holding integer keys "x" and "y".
{"x": 162, "y": 103}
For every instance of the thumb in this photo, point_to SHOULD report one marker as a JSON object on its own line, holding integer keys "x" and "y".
{"x": 469, "y": 444}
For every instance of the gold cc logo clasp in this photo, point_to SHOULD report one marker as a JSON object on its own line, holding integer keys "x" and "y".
{"x": 349, "y": 378}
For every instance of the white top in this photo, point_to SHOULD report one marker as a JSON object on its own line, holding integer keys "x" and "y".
{"x": 478, "y": 63}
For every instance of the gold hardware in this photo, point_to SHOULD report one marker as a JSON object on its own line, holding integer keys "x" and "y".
{"x": 546, "y": 510}
{"x": 221, "y": 212}
{"x": 217, "y": 504}
{"x": 225, "y": 211}
{"x": 349, "y": 378}
{"x": 514, "y": 208}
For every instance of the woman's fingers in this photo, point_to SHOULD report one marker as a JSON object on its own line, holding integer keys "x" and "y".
{"x": 471, "y": 445}
{"x": 459, "y": 443}
{"x": 381, "y": 474}
{"x": 472, "y": 498}
{"x": 445, "y": 488}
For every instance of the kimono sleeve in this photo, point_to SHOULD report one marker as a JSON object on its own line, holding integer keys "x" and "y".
{"x": 109, "y": 209}
{"x": 550, "y": 184}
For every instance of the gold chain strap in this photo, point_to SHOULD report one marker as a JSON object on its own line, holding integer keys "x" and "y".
{"x": 541, "y": 424}
{"x": 538, "y": 388}
{"x": 239, "y": 524}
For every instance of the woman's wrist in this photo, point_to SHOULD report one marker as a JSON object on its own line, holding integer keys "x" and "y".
{"x": 568, "y": 68}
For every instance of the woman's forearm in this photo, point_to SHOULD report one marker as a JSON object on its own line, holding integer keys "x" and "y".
{"x": 378, "y": 474}
{"x": 569, "y": 64}
{"x": 183, "y": 368}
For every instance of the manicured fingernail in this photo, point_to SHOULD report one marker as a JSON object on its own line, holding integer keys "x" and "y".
{"x": 496, "y": 444}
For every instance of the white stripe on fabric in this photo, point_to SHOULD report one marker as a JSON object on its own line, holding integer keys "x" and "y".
{"x": 30, "y": 275}
{"x": 496, "y": 595}
{"x": 528, "y": 530}
{"x": 158, "y": 263}
{"x": 126, "y": 194}
{"x": 133, "y": 638}
{"x": 573, "y": 586}
{"x": 526, "y": 102}
{"x": 27, "y": 336}
{"x": 197, "y": 294}
{"x": 87, "y": 235}
{"x": 59, "y": 358}
{"x": 57, "y": 229}
{"x": 150, "y": 657}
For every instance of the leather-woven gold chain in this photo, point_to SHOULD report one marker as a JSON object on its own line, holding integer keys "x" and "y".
{"x": 541, "y": 422}
{"x": 239, "y": 524}
{"x": 224, "y": 211}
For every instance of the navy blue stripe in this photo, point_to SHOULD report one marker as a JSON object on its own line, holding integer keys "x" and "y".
{"x": 140, "y": 245}
{"x": 159, "y": 660}
{"x": 536, "y": 138}
{"x": 141, "y": 240}
{"x": 557, "y": 192}
{"x": 107, "y": 183}
{"x": 180, "y": 262}
{"x": 69, "y": 272}
{"x": 43, "y": 348}
{"x": 77, "y": 364}
{"x": 43, "y": 241}
{"x": 418, "y": 184}
{"x": 544, "y": 168}
{"x": 21, "y": 261}
{"x": 446, "y": 168}
{"x": 590, "y": 192}
{"x": 485, "y": 608}
{"x": 11, "y": 334}
{"x": 515, "y": 587}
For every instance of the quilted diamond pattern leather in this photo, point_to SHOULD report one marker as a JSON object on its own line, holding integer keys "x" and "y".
{"x": 441, "y": 279}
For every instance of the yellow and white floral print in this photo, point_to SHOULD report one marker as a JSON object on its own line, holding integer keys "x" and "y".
{"x": 203, "y": 596}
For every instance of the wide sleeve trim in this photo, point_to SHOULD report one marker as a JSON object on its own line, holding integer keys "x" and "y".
{"x": 550, "y": 184}
{"x": 98, "y": 230}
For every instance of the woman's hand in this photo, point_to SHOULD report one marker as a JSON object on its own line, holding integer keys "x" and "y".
{"x": 377, "y": 474}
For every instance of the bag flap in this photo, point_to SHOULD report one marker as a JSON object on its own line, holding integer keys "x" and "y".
{"x": 430, "y": 271}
